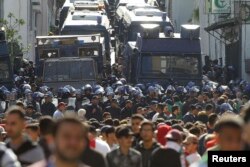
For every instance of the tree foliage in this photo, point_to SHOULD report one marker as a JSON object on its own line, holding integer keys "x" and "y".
{"x": 11, "y": 26}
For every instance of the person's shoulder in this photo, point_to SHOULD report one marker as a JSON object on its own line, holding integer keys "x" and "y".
{"x": 134, "y": 151}
{"x": 42, "y": 163}
{"x": 113, "y": 152}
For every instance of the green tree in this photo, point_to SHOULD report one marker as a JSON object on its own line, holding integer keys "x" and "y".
{"x": 11, "y": 26}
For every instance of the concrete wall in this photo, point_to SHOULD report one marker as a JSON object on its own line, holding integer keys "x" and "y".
{"x": 210, "y": 46}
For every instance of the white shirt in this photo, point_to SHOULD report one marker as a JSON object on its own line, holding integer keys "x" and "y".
{"x": 58, "y": 115}
{"x": 102, "y": 147}
{"x": 195, "y": 157}
{"x": 155, "y": 117}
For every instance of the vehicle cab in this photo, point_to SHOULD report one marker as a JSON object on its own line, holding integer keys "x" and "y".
{"x": 63, "y": 60}
{"x": 158, "y": 57}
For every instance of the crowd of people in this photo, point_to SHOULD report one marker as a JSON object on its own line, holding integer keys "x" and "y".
{"x": 116, "y": 124}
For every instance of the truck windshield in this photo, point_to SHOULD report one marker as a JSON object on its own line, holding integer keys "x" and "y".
{"x": 4, "y": 70}
{"x": 69, "y": 71}
{"x": 166, "y": 65}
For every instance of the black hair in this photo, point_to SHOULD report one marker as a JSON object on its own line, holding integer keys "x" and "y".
{"x": 145, "y": 123}
{"x": 137, "y": 116}
{"x": 69, "y": 120}
{"x": 46, "y": 125}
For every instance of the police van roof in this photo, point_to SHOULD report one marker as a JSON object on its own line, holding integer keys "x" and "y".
{"x": 80, "y": 18}
{"x": 132, "y": 6}
{"x": 125, "y": 2}
{"x": 47, "y": 40}
{"x": 145, "y": 15}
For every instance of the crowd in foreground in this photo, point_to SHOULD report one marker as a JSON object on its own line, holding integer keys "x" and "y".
{"x": 101, "y": 134}
{"x": 116, "y": 124}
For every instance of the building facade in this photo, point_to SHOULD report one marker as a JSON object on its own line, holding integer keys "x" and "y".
{"x": 38, "y": 16}
{"x": 225, "y": 36}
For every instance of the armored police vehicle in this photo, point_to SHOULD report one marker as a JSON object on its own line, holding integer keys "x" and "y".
{"x": 158, "y": 57}
{"x": 129, "y": 20}
{"x": 6, "y": 74}
{"x": 70, "y": 60}
{"x": 87, "y": 22}
{"x": 78, "y": 5}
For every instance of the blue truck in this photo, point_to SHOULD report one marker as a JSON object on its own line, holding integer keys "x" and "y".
{"x": 70, "y": 60}
{"x": 129, "y": 19}
{"x": 159, "y": 57}
{"x": 88, "y": 22}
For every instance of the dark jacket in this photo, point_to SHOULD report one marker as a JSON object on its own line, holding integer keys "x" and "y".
{"x": 48, "y": 108}
{"x": 163, "y": 157}
{"x": 125, "y": 113}
{"x": 115, "y": 112}
{"x": 116, "y": 159}
{"x": 146, "y": 153}
{"x": 93, "y": 111}
{"x": 93, "y": 158}
{"x": 189, "y": 118}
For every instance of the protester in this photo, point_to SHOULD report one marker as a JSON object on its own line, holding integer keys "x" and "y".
{"x": 46, "y": 127}
{"x": 26, "y": 151}
{"x": 135, "y": 126}
{"x": 148, "y": 143}
{"x": 125, "y": 155}
{"x": 69, "y": 144}
{"x": 171, "y": 154}
{"x": 191, "y": 148}
{"x": 7, "y": 157}
{"x": 48, "y": 108}
{"x": 59, "y": 113}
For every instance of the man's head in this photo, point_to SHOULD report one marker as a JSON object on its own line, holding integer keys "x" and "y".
{"x": 70, "y": 139}
{"x": 191, "y": 144}
{"x": 160, "y": 107}
{"x": 110, "y": 135}
{"x": 176, "y": 110}
{"x": 15, "y": 122}
{"x": 62, "y": 106}
{"x": 193, "y": 110}
{"x": 129, "y": 104}
{"x": 106, "y": 115}
{"x": 32, "y": 130}
{"x": 95, "y": 100}
{"x": 147, "y": 131}
{"x": 209, "y": 109}
{"x": 124, "y": 136}
{"x": 229, "y": 132}
{"x": 212, "y": 118}
{"x": 139, "y": 110}
{"x": 29, "y": 110}
{"x": 136, "y": 122}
